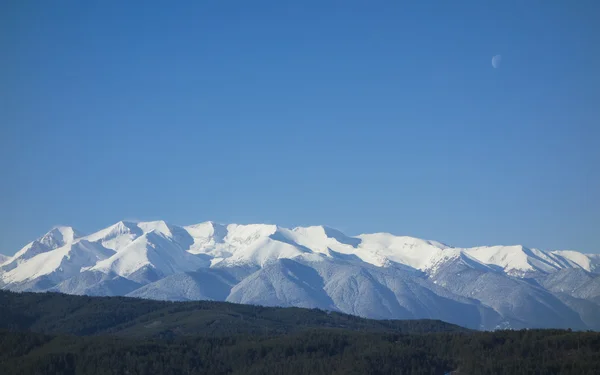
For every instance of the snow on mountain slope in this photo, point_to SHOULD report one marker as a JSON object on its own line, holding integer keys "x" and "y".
{"x": 517, "y": 300}
{"x": 571, "y": 258}
{"x": 123, "y": 233}
{"x": 265, "y": 250}
{"x": 380, "y": 248}
{"x": 519, "y": 260}
{"x": 4, "y": 259}
{"x": 63, "y": 262}
{"x": 374, "y": 275}
{"x": 283, "y": 283}
{"x": 384, "y": 293}
{"x": 206, "y": 237}
{"x": 320, "y": 238}
{"x": 55, "y": 238}
{"x": 254, "y": 244}
{"x": 155, "y": 250}
{"x": 178, "y": 235}
{"x": 594, "y": 262}
{"x": 574, "y": 282}
{"x": 93, "y": 283}
{"x": 567, "y": 280}
{"x": 204, "y": 284}
{"x": 116, "y": 236}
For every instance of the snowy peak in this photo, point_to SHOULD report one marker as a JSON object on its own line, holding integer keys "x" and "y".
{"x": 414, "y": 252}
{"x": 519, "y": 260}
{"x": 154, "y": 250}
{"x": 123, "y": 233}
{"x": 55, "y": 238}
{"x": 62, "y": 262}
{"x": 116, "y": 236}
{"x": 456, "y": 259}
{"x": 59, "y": 236}
{"x": 247, "y": 234}
{"x": 206, "y": 236}
{"x": 207, "y": 229}
{"x": 322, "y": 238}
{"x": 158, "y": 226}
{"x": 122, "y": 227}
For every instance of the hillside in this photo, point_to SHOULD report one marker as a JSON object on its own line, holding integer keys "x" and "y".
{"x": 55, "y": 313}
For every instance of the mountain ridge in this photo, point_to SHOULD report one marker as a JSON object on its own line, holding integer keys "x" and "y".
{"x": 377, "y": 275}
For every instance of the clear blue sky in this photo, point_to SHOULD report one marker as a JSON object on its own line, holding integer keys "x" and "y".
{"x": 364, "y": 116}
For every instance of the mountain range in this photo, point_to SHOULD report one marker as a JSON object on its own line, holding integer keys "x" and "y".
{"x": 378, "y": 275}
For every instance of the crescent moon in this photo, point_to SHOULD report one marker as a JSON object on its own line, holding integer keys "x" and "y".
{"x": 496, "y": 61}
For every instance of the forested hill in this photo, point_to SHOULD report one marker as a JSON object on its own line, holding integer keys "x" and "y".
{"x": 72, "y": 335}
{"x": 56, "y": 313}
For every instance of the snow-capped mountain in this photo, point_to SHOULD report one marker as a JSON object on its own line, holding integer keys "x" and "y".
{"x": 372, "y": 275}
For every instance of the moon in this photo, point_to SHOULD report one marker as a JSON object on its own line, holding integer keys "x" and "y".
{"x": 496, "y": 61}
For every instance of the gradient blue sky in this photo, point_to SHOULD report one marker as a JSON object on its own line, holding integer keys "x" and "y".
{"x": 364, "y": 116}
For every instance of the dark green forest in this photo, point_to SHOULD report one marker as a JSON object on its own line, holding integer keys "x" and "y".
{"x": 60, "y": 334}
{"x": 56, "y": 313}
